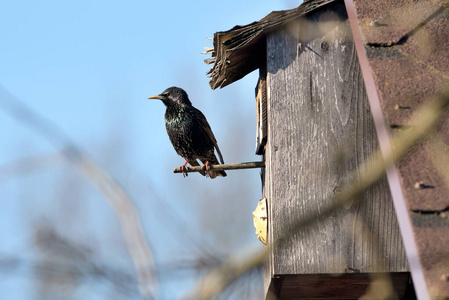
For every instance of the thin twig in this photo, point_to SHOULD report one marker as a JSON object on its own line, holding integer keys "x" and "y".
{"x": 118, "y": 198}
{"x": 30, "y": 164}
{"x": 238, "y": 166}
{"x": 130, "y": 224}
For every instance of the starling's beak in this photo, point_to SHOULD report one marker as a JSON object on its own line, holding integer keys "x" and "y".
{"x": 157, "y": 97}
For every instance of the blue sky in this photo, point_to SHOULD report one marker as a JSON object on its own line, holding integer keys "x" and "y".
{"x": 89, "y": 67}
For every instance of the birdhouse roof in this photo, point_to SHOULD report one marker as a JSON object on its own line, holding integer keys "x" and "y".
{"x": 240, "y": 50}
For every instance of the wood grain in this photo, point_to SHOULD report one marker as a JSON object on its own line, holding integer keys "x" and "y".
{"x": 320, "y": 130}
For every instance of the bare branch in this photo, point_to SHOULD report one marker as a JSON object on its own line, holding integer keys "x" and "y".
{"x": 30, "y": 164}
{"x": 124, "y": 206}
{"x": 238, "y": 166}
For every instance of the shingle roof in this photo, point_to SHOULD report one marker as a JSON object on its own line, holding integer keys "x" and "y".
{"x": 402, "y": 46}
{"x": 240, "y": 50}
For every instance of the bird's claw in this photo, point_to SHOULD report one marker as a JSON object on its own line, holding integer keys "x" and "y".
{"x": 184, "y": 168}
{"x": 206, "y": 167}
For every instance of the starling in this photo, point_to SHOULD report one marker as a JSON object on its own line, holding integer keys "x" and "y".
{"x": 189, "y": 132}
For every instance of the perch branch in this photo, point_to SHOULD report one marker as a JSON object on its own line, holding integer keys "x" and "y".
{"x": 246, "y": 165}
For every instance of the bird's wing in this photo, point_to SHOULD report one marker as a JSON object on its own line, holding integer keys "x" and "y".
{"x": 205, "y": 125}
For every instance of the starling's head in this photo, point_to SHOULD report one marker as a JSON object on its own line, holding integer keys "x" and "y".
{"x": 172, "y": 96}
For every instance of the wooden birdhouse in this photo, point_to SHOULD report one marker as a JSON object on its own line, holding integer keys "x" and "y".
{"x": 338, "y": 80}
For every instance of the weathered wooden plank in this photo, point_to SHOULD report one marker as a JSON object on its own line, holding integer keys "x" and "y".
{"x": 320, "y": 130}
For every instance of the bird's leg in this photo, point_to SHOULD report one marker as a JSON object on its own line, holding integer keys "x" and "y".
{"x": 207, "y": 167}
{"x": 185, "y": 168}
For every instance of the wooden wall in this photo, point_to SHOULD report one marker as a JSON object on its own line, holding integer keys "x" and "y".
{"x": 320, "y": 129}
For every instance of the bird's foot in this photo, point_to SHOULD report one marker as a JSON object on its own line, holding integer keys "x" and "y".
{"x": 184, "y": 168}
{"x": 206, "y": 167}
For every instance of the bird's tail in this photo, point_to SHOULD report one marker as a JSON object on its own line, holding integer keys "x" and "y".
{"x": 214, "y": 173}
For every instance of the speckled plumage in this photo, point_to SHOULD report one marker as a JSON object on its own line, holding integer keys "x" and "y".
{"x": 189, "y": 131}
